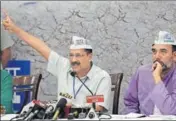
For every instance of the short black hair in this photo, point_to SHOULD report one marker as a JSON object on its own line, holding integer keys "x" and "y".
{"x": 173, "y": 48}
{"x": 88, "y": 51}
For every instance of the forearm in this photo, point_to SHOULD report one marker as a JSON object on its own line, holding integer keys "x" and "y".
{"x": 131, "y": 100}
{"x": 6, "y": 56}
{"x": 131, "y": 107}
{"x": 34, "y": 42}
{"x": 164, "y": 100}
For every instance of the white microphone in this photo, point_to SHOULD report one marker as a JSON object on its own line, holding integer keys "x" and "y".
{"x": 31, "y": 115}
{"x": 39, "y": 107}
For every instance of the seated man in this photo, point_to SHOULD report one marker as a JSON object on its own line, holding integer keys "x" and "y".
{"x": 79, "y": 63}
{"x": 6, "y": 78}
{"x": 152, "y": 90}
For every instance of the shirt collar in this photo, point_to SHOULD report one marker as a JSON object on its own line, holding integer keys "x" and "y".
{"x": 91, "y": 72}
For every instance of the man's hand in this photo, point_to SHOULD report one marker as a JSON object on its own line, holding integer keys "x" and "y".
{"x": 99, "y": 108}
{"x": 7, "y": 22}
{"x": 157, "y": 70}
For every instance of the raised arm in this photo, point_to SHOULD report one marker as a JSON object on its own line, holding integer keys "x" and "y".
{"x": 34, "y": 42}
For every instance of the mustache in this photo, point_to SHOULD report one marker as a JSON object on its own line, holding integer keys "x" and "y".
{"x": 164, "y": 66}
{"x": 75, "y": 63}
{"x": 162, "y": 63}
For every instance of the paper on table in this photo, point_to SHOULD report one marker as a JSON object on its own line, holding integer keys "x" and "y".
{"x": 7, "y": 116}
{"x": 134, "y": 115}
{"x": 128, "y": 116}
{"x": 163, "y": 117}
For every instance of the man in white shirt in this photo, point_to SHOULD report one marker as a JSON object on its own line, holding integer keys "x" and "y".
{"x": 80, "y": 62}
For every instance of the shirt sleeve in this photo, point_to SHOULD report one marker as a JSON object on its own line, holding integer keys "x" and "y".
{"x": 105, "y": 89}
{"x": 6, "y": 41}
{"x": 131, "y": 96}
{"x": 57, "y": 63}
{"x": 164, "y": 100}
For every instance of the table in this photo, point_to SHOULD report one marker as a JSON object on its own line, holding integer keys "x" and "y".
{"x": 114, "y": 117}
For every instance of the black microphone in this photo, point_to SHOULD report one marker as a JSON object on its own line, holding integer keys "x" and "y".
{"x": 59, "y": 108}
{"x": 73, "y": 73}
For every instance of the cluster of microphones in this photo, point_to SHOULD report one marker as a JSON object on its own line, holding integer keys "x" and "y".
{"x": 41, "y": 110}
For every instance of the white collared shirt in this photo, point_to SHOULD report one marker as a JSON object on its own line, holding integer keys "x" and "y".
{"x": 99, "y": 81}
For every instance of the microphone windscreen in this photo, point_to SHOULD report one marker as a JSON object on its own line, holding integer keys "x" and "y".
{"x": 73, "y": 73}
{"x": 62, "y": 103}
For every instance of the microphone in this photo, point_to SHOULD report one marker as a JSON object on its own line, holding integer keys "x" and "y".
{"x": 23, "y": 114}
{"x": 79, "y": 113}
{"x": 39, "y": 107}
{"x": 73, "y": 73}
{"x": 31, "y": 115}
{"x": 73, "y": 115}
{"x": 27, "y": 109}
{"x": 90, "y": 99}
{"x": 19, "y": 116}
{"x": 49, "y": 109}
{"x": 59, "y": 108}
{"x": 27, "y": 113}
{"x": 48, "y": 112}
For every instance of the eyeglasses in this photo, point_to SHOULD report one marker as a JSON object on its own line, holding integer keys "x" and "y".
{"x": 76, "y": 55}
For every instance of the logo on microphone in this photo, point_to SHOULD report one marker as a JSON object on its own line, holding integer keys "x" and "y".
{"x": 66, "y": 95}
